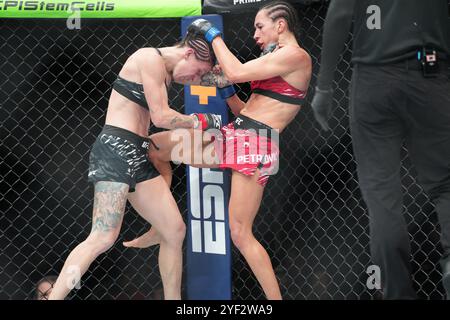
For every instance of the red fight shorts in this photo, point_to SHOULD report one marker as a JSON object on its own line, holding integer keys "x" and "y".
{"x": 246, "y": 145}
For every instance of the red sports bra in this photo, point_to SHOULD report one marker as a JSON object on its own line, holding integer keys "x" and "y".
{"x": 278, "y": 89}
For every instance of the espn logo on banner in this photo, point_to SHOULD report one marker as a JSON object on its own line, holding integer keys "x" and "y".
{"x": 208, "y": 254}
{"x": 207, "y": 231}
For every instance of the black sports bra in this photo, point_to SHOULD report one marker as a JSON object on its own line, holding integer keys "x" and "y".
{"x": 132, "y": 90}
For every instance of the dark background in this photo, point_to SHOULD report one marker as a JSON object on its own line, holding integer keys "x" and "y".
{"x": 54, "y": 90}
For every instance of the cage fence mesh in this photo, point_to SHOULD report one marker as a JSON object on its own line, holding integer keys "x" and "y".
{"x": 54, "y": 90}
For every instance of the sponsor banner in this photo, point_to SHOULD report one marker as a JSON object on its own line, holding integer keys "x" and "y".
{"x": 208, "y": 256}
{"x": 99, "y": 8}
{"x": 239, "y": 6}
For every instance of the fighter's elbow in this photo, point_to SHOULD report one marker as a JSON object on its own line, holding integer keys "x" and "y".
{"x": 234, "y": 76}
{"x": 157, "y": 120}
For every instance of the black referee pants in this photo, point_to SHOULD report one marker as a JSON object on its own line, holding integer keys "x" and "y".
{"x": 391, "y": 105}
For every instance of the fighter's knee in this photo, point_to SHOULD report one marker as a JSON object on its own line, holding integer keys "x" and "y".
{"x": 239, "y": 235}
{"x": 175, "y": 233}
{"x": 179, "y": 231}
{"x": 154, "y": 155}
{"x": 98, "y": 243}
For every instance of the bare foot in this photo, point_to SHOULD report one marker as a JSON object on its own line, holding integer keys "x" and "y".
{"x": 148, "y": 239}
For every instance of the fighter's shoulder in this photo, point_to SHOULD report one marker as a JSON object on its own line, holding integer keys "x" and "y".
{"x": 148, "y": 57}
{"x": 295, "y": 54}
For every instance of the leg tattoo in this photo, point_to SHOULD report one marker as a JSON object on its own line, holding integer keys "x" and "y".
{"x": 109, "y": 205}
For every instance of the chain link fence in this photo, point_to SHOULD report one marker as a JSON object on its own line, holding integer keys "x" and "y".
{"x": 54, "y": 90}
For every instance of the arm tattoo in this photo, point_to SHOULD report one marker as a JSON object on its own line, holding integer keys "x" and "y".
{"x": 177, "y": 122}
{"x": 174, "y": 120}
{"x": 211, "y": 79}
{"x": 109, "y": 205}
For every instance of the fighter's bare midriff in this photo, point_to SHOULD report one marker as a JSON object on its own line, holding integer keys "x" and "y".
{"x": 128, "y": 115}
{"x": 269, "y": 111}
